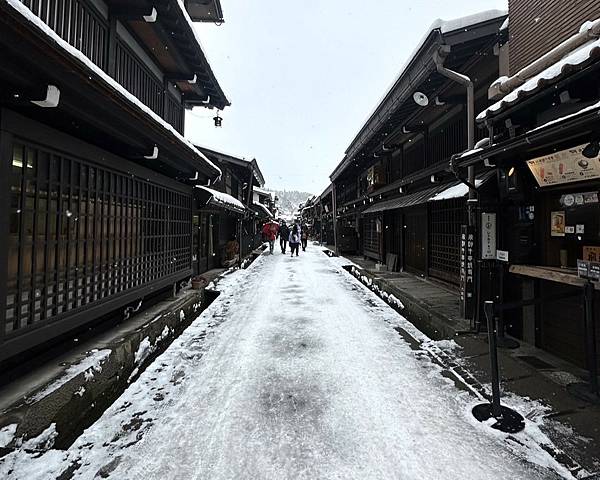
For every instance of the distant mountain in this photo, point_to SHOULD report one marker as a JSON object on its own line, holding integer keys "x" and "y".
{"x": 289, "y": 201}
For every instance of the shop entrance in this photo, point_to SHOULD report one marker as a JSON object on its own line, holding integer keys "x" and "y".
{"x": 415, "y": 235}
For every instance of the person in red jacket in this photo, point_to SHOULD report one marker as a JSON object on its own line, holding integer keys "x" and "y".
{"x": 269, "y": 231}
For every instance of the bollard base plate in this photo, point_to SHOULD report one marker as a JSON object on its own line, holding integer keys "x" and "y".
{"x": 509, "y": 421}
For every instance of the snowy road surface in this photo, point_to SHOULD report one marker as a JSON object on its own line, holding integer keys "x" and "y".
{"x": 295, "y": 372}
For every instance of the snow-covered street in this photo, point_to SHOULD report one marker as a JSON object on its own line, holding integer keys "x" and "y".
{"x": 294, "y": 372}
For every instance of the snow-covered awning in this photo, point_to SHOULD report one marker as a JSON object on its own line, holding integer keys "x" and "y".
{"x": 575, "y": 59}
{"x": 456, "y": 191}
{"x": 103, "y": 77}
{"x": 222, "y": 200}
{"x": 262, "y": 209}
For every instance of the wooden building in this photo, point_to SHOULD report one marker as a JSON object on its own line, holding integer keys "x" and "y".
{"x": 96, "y": 176}
{"x": 225, "y": 211}
{"x": 394, "y": 192}
{"x": 545, "y": 127}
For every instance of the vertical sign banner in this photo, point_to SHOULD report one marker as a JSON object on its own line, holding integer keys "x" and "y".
{"x": 488, "y": 236}
{"x": 467, "y": 271}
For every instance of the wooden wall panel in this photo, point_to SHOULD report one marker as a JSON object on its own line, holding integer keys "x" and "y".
{"x": 537, "y": 26}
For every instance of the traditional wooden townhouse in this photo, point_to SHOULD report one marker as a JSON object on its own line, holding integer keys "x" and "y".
{"x": 326, "y": 223}
{"x": 225, "y": 212}
{"x": 396, "y": 199}
{"x": 545, "y": 131}
{"x": 264, "y": 204}
{"x": 97, "y": 179}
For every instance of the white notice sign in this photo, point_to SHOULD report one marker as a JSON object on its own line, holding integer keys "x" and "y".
{"x": 488, "y": 236}
{"x": 564, "y": 167}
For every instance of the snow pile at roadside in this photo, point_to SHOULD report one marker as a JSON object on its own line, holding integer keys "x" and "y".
{"x": 89, "y": 366}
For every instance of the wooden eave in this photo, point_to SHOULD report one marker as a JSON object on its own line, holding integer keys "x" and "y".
{"x": 171, "y": 42}
{"x": 90, "y": 108}
{"x": 397, "y": 109}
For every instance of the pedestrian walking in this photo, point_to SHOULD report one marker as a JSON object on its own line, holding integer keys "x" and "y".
{"x": 304, "y": 237}
{"x": 295, "y": 236}
{"x": 270, "y": 230}
{"x": 284, "y": 235}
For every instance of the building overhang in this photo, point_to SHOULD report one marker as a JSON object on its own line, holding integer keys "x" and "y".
{"x": 173, "y": 43}
{"x": 93, "y": 106}
{"x": 464, "y": 37}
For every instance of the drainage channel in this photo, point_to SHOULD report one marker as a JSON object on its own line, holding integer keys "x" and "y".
{"x": 77, "y": 398}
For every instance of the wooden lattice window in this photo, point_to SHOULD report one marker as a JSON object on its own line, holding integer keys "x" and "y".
{"x": 76, "y": 22}
{"x": 80, "y": 233}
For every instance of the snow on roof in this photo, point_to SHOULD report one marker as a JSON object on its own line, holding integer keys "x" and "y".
{"x": 456, "y": 191}
{"x": 223, "y": 198}
{"x": 265, "y": 209}
{"x": 87, "y": 63}
{"x": 444, "y": 26}
{"x": 262, "y": 191}
{"x": 505, "y": 25}
{"x": 553, "y": 73}
{"x": 589, "y": 108}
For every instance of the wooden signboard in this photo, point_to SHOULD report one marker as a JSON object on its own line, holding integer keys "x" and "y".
{"x": 566, "y": 166}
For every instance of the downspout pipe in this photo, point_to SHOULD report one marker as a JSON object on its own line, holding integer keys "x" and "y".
{"x": 438, "y": 58}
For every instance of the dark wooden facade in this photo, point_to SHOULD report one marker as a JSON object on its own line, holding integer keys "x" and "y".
{"x": 545, "y": 122}
{"x": 386, "y": 181}
{"x": 239, "y": 179}
{"x": 537, "y": 26}
{"x": 96, "y": 181}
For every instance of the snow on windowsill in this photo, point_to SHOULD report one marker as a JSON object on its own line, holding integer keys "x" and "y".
{"x": 77, "y": 54}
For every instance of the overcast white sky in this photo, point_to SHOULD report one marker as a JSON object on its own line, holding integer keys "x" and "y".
{"x": 303, "y": 76}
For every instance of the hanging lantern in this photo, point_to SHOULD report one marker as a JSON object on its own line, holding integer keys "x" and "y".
{"x": 218, "y": 120}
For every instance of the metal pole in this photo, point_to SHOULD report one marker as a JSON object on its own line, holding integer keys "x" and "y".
{"x": 590, "y": 326}
{"x": 489, "y": 313}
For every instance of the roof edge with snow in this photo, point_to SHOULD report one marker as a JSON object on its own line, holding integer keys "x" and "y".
{"x": 47, "y": 32}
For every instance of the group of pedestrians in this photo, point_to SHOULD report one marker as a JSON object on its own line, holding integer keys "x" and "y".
{"x": 295, "y": 235}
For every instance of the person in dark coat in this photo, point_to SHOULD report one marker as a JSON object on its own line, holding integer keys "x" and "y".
{"x": 295, "y": 236}
{"x": 304, "y": 237}
{"x": 284, "y": 235}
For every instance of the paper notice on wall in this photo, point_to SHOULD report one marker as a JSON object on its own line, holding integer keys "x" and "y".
{"x": 557, "y": 224}
{"x": 564, "y": 167}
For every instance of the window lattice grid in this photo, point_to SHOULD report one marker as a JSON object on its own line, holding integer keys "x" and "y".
{"x": 446, "y": 218}
{"x": 77, "y": 23}
{"x": 138, "y": 79}
{"x": 370, "y": 235}
{"x": 79, "y": 234}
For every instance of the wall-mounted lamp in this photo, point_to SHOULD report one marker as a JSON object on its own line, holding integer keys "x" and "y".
{"x": 420, "y": 99}
{"x": 218, "y": 120}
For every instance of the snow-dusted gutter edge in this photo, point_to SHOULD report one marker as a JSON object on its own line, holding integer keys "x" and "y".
{"x": 107, "y": 79}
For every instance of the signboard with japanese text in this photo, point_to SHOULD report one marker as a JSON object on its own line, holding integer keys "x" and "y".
{"x": 467, "y": 271}
{"x": 566, "y": 166}
{"x": 488, "y": 236}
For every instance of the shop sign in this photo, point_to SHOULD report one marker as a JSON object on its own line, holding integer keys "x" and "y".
{"x": 588, "y": 270}
{"x": 467, "y": 271}
{"x": 566, "y": 166}
{"x": 502, "y": 255}
{"x": 579, "y": 199}
{"x": 488, "y": 236}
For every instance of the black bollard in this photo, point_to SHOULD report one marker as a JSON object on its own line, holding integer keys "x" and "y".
{"x": 507, "y": 420}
